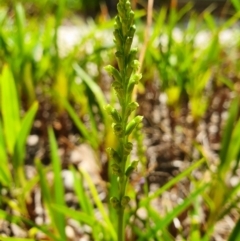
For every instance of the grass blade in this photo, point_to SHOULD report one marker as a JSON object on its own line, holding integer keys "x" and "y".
{"x": 180, "y": 208}
{"x": 93, "y": 140}
{"x": 235, "y": 235}
{"x": 95, "y": 89}
{"x": 228, "y": 130}
{"x": 234, "y": 148}
{"x": 76, "y": 215}
{"x": 46, "y": 193}
{"x": 5, "y": 175}
{"x": 27, "y": 122}
{"x": 9, "y": 108}
{"x": 173, "y": 181}
{"x": 58, "y": 184}
{"x": 236, "y": 4}
{"x": 18, "y": 220}
{"x": 20, "y": 23}
{"x": 99, "y": 204}
{"x": 84, "y": 200}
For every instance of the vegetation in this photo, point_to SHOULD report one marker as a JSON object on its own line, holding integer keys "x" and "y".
{"x": 57, "y": 101}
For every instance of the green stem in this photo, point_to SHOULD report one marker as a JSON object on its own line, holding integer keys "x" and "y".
{"x": 121, "y": 225}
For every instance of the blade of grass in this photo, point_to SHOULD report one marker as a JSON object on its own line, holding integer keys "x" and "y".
{"x": 180, "y": 208}
{"x": 93, "y": 140}
{"x": 5, "y": 175}
{"x": 18, "y": 220}
{"x": 228, "y": 131}
{"x": 20, "y": 23}
{"x": 76, "y": 215}
{"x": 58, "y": 184}
{"x": 235, "y": 235}
{"x": 10, "y": 108}
{"x": 99, "y": 204}
{"x": 26, "y": 125}
{"x": 184, "y": 174}
{"x": 230, "y": 147}
{"x": 233, "y": 150}
{"x": 19, "y": 148}
{"x": 95, "y": 89}
{"x": 82, "y": 217}
{"x": 83, "y": 199}
{"x": 236, "y": 4}
{"x": 46, "y": 193}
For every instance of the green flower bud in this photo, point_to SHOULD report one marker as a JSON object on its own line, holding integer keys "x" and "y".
{"x": 128, "y": 6}
{"x": 133, "y": 81}
{"x": 115, "y": 202}
{"x": 132, "y": 124}
{"x": 120, "y": 8}
{"x": 118, "y": 23}
{"x": 116, "y": 169}
{"x": 131, "y": 168}
{"x": 132, "y": 55}
{"x": 125, "y": 27}
{"x": 120, "y": 59}
{"x": 131, "y": 17}
{"x": 128, "y": 44}
{"x": 131, "y": 85}
{"x": 117, "y": 128}
{"x": 125, "y": 200}
{"x": 128, "y": 148}
{"x": 114, "y": 113}
{"x": 131, "y": 31}
{"x": 130, "y": 61}
{"x": 114, "y": 72}
{"x": 118, "y": 37}
{"x": 135, "y": 65}
{"x": 114, "y": 155}
{"x": 118, "y": 87}
{"x": 132, "y": 106}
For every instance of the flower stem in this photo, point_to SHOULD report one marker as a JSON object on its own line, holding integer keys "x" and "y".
{"x": 126, "y": 76}
{"x": 121, "y": 225}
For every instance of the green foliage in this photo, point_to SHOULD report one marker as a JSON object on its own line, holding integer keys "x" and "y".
{"x": 222, "y": 195}
{"x": 15, "y": 131}
{"x": 186, "y": 68}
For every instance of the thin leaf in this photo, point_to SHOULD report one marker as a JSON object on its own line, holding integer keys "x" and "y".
{"x": 58, "y": 184}
{"x": 173, "y": 181}
{"x": 236, "y": 4}
{"x": 235, "y": 235}
{"x": 76, "y": 215}
{"x": 27, "y": 122}
{"x": 99, "y": 204}
{"x": 83, "y": 130}
{"x": 233, "y": 112}
{"x": 95, "y": 89}
{"x": 10, "y": 108}
{"x": 180, "y": 208}
{"x": 46, "y": 191}
{"x": 18, "y": 220}
{"x": 84, "y": 200}
{"x": 20, "y": 23}
{"x": 5, "y": 175}
{"x": 233, "y": 150}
